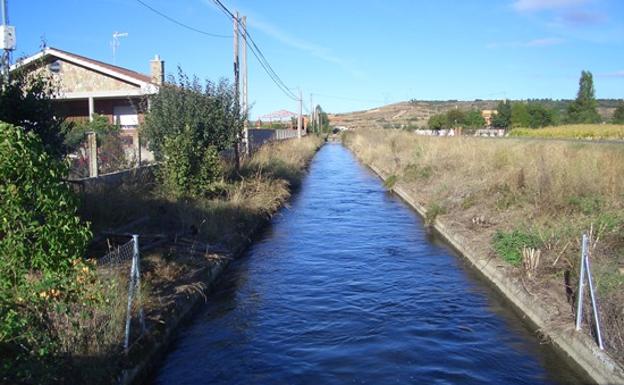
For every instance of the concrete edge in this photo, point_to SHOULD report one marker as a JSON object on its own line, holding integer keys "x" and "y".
{"x": 578, "y": 348}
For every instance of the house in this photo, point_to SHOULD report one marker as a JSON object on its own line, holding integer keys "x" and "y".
{"x": 488, "y": 115}
{"x": 86, "y": 86}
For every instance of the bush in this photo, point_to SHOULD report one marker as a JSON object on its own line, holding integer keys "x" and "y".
{"x": 188, "y": 169}
{"x": 42, "y": 243}
{"x": 111, "y": 153}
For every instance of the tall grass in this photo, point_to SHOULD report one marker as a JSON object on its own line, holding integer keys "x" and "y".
{"x": 573, "y": 131}
{"x": 548, "y": 192}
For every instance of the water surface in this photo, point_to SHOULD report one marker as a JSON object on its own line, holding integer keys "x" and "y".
{"x": 346, "y": 287}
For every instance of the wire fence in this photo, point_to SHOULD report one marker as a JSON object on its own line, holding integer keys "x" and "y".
{"x": 117, "y": 258}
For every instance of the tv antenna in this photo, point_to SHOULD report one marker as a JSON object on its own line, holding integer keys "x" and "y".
{"x": 115, "y": 42}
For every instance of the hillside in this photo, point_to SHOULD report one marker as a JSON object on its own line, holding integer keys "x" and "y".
{"x": 414, "y": 114}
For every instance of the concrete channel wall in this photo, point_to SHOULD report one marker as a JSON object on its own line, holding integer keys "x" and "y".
{"x": 577, "y": 348}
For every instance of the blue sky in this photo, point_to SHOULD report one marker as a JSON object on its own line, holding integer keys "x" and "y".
{"x": 354, "y": 55}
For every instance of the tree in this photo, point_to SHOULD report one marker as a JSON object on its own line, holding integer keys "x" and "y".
{"x": 520, "y": 115}
{"x": 474, "y": 119}
{"x": 456, "y": 118}
{"x": 618, "y": 114}
{"x": 26, "y": 101}
{"x": 540, "y": 116}
{"x": 502, "y": 119}
{"x": 437, "y": 122}
{"x": 584, "y": 108}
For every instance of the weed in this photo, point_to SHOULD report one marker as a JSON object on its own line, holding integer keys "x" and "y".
{"x": 586, "y": 204}
{"x": 433, "y": 211}
{"x": 390, "y": 182}
{"x": 509, "y": 245}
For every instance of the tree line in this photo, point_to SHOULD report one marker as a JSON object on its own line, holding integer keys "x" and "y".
{"x": 533, "y": 113}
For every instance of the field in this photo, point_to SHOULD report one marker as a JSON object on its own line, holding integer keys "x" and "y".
{"x": 574, "y": 131}
{"x": 509, "y": 197}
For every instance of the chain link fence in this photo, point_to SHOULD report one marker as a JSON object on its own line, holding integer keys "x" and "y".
{"x": 117, "y": 259}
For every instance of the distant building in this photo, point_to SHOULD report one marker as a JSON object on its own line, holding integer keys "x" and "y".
{"x": 488, "y": 115}
{"x": 87, "y": 86}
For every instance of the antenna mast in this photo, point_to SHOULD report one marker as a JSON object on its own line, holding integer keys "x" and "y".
{"x": 115, "y": 43}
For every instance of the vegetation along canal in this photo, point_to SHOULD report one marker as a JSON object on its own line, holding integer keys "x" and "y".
{"x": 347, "y": 287}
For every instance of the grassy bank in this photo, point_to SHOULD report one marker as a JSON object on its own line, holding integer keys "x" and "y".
{"x": 511, "y": 198}
{"x": 574, "y": 131}
{"x": 188, "y": 237}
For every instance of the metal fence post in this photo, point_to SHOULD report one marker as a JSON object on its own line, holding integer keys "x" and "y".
{"x": 131, "y": 287}
{"x": 137, "y": 271}
{"x": 579, "y": 299}
{"x": 593, "y": 301}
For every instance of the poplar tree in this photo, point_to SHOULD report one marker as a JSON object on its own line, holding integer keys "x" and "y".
{"x": 584, "y": 108}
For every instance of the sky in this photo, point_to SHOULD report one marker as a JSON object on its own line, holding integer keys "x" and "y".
{"x": 353, "y": 55}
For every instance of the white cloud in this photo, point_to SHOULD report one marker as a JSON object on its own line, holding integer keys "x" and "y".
{"x": 541, "y": 5}
{"x": 313, "y": 49}
{"x": 615, "y": 74}
{"x": 544, "y": 42}
{"x": 541, "y": 42}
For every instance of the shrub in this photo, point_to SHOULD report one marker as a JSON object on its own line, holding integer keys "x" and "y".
{"x": 42, "y": 243}
{"x": 189, "y": 169}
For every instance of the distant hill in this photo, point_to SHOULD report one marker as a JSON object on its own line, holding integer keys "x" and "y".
{"x": 416, "y": 113}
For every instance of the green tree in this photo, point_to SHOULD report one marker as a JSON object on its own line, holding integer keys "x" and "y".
{"x": 456, "y": 118}
{"x": 474, "y": 119}
{"x": 41, "y": 240}
{"x": 584, "y": 108}
{"x": 502, "y": 119}
{"x": 618, "y": 114}
{"x": 520, "y": 115}
{"x": 540, "y": 116}
{"x": 26, "y": 101}
{"x": 437, "y": 122}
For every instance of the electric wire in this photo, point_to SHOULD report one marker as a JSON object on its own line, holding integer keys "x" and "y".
{"x": 181, "y": 24}
{"x": 259, "y": 55}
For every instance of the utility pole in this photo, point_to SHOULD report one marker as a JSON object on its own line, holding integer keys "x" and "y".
{"x": 311, "y": 122}
{"x": 236, "y": 90}
{"x": 299, "y": 121}
{"x": 245, "y": 89}
{"x": 7, "y": 42}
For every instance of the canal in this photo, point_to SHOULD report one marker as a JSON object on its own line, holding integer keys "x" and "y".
{"x": 346, "y": 286}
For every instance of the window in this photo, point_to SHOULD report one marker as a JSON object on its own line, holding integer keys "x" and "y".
{"x": 126, "y": 117}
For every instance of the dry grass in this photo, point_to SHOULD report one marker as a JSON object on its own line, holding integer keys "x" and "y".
{"x": 573, "y": 131}
{"x": 547, "y": 192}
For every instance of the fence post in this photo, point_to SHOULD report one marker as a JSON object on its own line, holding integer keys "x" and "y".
{"x": 585, "y": 269}
{"x": 92, "y": 150}
{"x": 593, "y": 301}
{"x": 131, "y": 287}
{"x": 137, "y": 271}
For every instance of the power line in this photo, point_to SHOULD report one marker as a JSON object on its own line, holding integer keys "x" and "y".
{"x": 257, "y": 52}
{"x": 181, "y": 24}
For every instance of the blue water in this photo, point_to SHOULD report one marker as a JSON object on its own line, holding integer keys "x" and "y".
{"x": 347, "y": 287}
